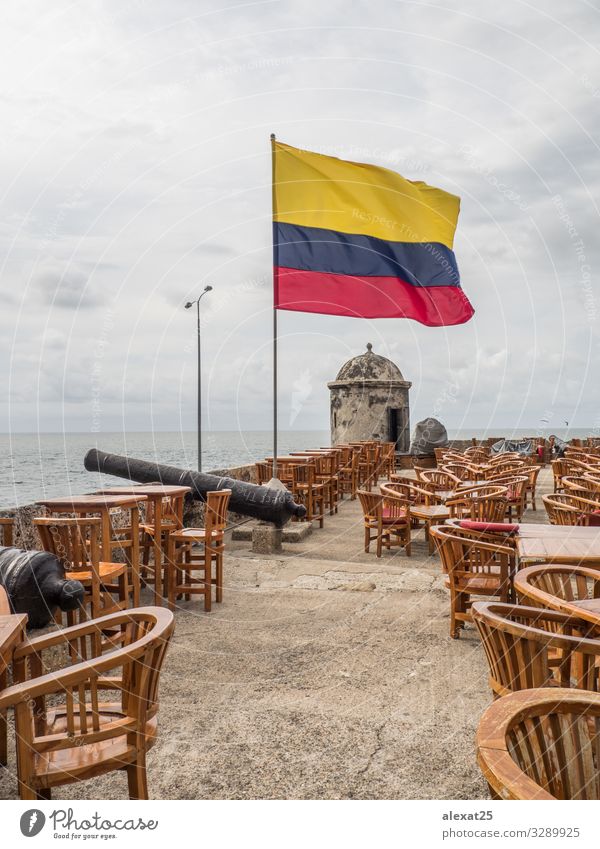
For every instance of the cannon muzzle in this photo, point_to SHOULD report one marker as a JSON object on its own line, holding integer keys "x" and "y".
{"x": 248, "y": 499}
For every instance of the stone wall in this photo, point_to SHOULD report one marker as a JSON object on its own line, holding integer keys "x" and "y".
{"x": 25, "y": 535}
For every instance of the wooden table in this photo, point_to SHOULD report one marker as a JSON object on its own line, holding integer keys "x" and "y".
{"x": 12, "y": 632}
{"x": 156, "y": 494}
{"x": 552, "y": 547}
{"x": 430, "y": 514}
{"x": 105, "y": 506}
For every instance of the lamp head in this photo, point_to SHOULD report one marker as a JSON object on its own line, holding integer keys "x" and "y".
{"x": 188, "y": 305}
{"x": 208, "y": 288}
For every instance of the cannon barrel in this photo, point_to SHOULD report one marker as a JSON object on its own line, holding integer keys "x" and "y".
{"x": 35, "y": 584}
{"x": 259, "y": 502}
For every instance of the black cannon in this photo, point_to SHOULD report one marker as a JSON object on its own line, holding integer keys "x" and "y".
{"x": 259, "y": 502}
{"x": 35, "y": 584}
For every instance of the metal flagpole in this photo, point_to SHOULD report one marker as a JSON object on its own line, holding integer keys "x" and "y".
{"x": 274, "y": 314}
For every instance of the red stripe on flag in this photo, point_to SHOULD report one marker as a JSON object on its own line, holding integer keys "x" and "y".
{"x": 369, "y": 297}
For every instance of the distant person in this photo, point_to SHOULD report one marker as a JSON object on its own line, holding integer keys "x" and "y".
{"x": 557, "y": 447}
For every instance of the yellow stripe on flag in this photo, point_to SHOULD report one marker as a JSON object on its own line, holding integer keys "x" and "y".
{"x": 313, "y": 190}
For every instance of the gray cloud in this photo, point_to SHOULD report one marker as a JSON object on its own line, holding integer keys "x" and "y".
{"x": 136, "y": 166}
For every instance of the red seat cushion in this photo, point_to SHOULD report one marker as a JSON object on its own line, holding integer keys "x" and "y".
{"x": 593, "y": 518}
{"x": 489, "y": 527}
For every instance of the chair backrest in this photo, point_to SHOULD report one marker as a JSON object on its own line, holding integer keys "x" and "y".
{"x": 264, "y": 472}
{"x": 215, "y": 510}
{"x": 76, "y": 542}
{"x": 75, "y": 690}
{"x": 414, "y": 492}
{"x": 569, "y": 509}
{"x": 6, "y": 532}
{"x": 463, "y": 472}
{"x": 541, "y": 744}
{"x": 304, "y": 474}
{"x": 171, "y": 508}
{"x": 372, "y": 505}
{"x": 532, "y": 647}
{"x": 442, "y": 479}
{"x": 465, "y": 557}
{"x": 491, "y": 508}
{"x": 557, "y": 585}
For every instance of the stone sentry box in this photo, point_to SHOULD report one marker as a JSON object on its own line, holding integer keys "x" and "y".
{"x": 369, "y": 400}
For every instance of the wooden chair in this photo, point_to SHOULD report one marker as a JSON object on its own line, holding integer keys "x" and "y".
{"x": 308, "y": 491}
{"x": 198, "y": 550}
{"x": 76, "y": 543}
{"x": 532, "y": 474}
{"x": 386, "y": 521}
{"x": 171, "y": 519}
{"x": 560, "y": 467}
{"x": 473, "y": 568}
{"x": 415, "y": 492}
{"x": 263, "y": 472}
{"x": 574, "y": 590}
{"x": 568, "y": 509}
{"x": 531, "y": 647}
{"x": 479, "y": 505}
{"x": 327, "y": 476}
{"x": 64, "y": 729}
{"x": 6, "y": 532}
{"x": 516, "y": 496}
{"x": 463, "y": 472}
{"x": 348, "y": 475}
{"x": 541, "y": 744}
{"x": 444, "y": 481}
{"x": 586, "y": 485}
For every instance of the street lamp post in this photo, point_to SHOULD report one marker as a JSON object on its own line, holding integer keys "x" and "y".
{"x": 188, "y": 306}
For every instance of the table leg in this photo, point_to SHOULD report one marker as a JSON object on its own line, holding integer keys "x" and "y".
{"x": 158, "y": 552}
{"x": 135, "y": 555}
{"x": 428, "y": 536}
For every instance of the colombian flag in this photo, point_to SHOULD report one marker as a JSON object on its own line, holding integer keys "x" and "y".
{"x": 360, "y": 240}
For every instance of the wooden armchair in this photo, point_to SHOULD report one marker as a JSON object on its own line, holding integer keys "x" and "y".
{"x": 199, "y": 550}
{"x": 6, "y": 532}
{"x": 65, "y": 730}
{"x": 541, "y": 744}
{"x": 531, "y": 647}
{"x": 76, "y": 543}
{"x": 386, "y": 521}
{"x": 473, "y": 568}
{"x": 415, "y": 492}
{"x": 443, "y": 481}
{"x": 574, "y": 590}
{"x": 565, "y": 508}
{"x": 462, "y": 471}
{"x": 480, "y": 504}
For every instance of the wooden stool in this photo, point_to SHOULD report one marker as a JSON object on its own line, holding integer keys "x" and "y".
{"x": 182, "y": 560}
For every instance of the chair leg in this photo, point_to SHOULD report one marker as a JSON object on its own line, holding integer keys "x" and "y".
{"x": 367, "y": 540}
{"x": 208, "y": 558}
{"x": 3, "y": 726}
{"x": 219, "y": 576}
{"x": 137, "y": 779}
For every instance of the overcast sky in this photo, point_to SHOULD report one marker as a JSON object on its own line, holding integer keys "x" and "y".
{"x": 136, "y": 168}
